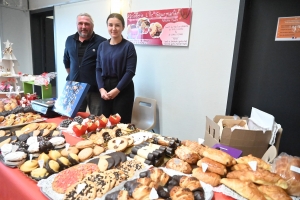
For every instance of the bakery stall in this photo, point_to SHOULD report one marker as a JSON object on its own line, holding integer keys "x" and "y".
{"x": 100, "y": 158}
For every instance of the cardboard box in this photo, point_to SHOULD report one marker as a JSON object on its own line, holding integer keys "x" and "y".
{"x": 249, "y": 141}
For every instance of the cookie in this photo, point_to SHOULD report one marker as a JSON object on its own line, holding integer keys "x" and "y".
{"x": 52, "y": 127}
{"x": 121, "y": 155}
{"x": 103, "y": 183}
{"x": 30, "y": 127}
{"x": 84, "y": 144}
{"x": 29, "y": 165}
{"x": 15, "y": 158}
{"x": 102, "y": 164}
{"x": 85, "y": 154}
{"x": 98, "y": 150}
{"x": 39, "y": 173}
{"x": 118, "y": 174}
{"x": 129, "y": 139}
{"x": 65, "y": 153}
{"x": 88, "y": 191}
{"x": 117, "y": 144}
{"x": 42, "y": 126}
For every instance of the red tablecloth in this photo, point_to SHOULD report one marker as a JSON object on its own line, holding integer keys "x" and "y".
{"x": 15, "y": 185}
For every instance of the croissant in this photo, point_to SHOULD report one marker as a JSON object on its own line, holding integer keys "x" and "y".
{"x": 141, "y": 192}
{"x": 273, "y": 192}
{"x": 199, "y": 148}
{"x": 260, "y": 162}
{"x": 219, "y": 156}
{"x": 207, "y": 177}
{"x": 192, "y": 183}
{"x": 148, "y": 182}
{"x": 186, "y": 154}
{"x": 117, "y": 195}
{"x": 159, "y": 176}
{"x": 260, "y": 176}
{"x": 244, "y": 188}
{"x": 180, "y": 193}
{"x": 240, "y": 167}
{"x": 213, "y": 166}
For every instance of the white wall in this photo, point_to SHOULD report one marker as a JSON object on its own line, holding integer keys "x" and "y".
{"x": 15, "y": 27}
{"x": 188, "y": 83}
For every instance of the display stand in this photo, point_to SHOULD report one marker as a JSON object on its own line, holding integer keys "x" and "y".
{"x": 28, "y": 87}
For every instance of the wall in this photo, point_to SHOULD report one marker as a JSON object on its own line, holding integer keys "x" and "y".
{"x": 188, "y": 83}
{"x": 15, "y": 27}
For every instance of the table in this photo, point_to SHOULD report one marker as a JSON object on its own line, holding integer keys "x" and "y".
{"x": 15, "y": 185}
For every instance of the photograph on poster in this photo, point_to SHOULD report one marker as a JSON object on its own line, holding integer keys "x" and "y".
{"x": 170, "y": 27}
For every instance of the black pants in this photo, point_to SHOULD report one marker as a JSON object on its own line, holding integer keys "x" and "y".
{"x": 121, "y": 104}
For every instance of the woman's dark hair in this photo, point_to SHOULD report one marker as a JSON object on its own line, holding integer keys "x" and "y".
{"x": 118, "y": 16}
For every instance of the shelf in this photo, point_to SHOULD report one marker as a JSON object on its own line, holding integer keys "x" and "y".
{"x": 11, "y": 92}
{"x": 28, "y": 87}
{"x": 16, "y": 76}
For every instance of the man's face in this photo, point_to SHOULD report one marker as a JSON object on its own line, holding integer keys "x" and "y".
{"x": 84, "y": 27}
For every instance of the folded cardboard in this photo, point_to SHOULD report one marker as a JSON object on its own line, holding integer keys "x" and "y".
{"x": 255, "y": 142}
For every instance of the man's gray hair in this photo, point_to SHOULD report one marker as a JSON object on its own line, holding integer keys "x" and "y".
{"x": 86, "y": 15}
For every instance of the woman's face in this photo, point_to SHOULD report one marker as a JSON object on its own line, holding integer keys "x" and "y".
{"x": 115, "y": 27}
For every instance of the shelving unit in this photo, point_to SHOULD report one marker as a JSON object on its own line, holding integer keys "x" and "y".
{"x": 28, "y": 87}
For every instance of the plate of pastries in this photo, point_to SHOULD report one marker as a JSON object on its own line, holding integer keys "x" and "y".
{"x": 19, "y": 119}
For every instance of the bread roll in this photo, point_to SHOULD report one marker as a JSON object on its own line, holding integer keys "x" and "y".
{"x": 213, "y": 166}
{"x": 260, "y": 176}
{"x": 207, "y": 177}
{"x": 186, "y": 154}
{"x": 179, "y": 165}
{"x": 219, "y": 156}
{"x": 260, "y": 163}
{"x": 244, "y": 188}
{"x": 273, "y": 192}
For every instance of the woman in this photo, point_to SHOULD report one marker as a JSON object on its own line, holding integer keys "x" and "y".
{"x": 116, "y": 65}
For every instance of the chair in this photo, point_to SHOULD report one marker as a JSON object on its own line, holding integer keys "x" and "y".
{"x": 144, "y": 113}
{"x": 270, "y": 154}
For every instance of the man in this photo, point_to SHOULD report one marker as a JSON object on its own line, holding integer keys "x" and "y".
{"x": 80, "y": 60}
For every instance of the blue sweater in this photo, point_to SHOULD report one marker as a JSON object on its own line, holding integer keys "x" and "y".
{"x": 116, "y": 61}
{"x": 84, "y": 71}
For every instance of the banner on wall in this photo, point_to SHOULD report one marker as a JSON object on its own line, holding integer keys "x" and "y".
{"x": 288, "y": 29}
{"x": 170, "y": 27}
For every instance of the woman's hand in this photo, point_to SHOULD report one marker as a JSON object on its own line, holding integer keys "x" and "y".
{"x": 104, "y": 94}
{"x": 113, "y": 93}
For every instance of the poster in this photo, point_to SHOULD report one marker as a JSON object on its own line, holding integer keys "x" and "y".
{"x": 170, "y": 27}
{"x": 288, "y": 29}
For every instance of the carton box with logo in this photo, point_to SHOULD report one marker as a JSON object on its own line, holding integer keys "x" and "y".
{"x": 255, "y": 142}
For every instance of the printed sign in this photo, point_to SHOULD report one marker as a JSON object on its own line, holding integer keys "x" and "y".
{"x": 288, "y": 29}
{"x": 170, "y": 27}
